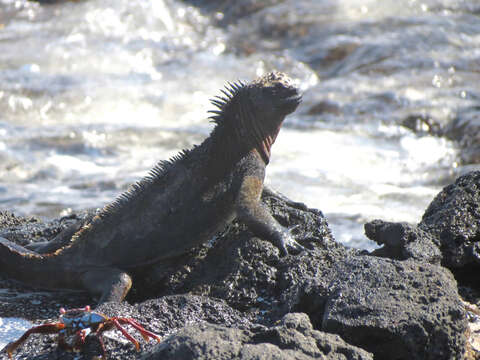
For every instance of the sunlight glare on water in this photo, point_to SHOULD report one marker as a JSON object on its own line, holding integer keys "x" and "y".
{"x": 344, "y": 173}
{"x": 371, "y": 9}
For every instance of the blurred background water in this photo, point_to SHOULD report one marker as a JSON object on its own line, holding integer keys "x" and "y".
{"x": 93, "y": 93}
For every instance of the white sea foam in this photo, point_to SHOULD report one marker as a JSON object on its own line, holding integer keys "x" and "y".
{"x": 70, "y": 165}
{"x": 358, "y": 176}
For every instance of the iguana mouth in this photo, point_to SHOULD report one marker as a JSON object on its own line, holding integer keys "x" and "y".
{"x": 290, "y": 103}
{"x": 297, "y": 99}
{"x": 288, "y": 92}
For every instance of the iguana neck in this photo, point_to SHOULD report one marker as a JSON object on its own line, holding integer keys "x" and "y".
{"x": 228, "y": 147}
{"x": 264, "y": 148}
{"x": 242, "y": 125}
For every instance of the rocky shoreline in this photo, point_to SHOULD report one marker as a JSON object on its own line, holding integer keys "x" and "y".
{"x": 237, "y": 298}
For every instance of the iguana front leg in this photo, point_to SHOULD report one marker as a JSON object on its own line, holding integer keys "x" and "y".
{"x": 251, "y": 211}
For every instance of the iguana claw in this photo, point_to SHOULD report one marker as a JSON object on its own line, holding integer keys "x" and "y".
{"x": 287, "y": 244}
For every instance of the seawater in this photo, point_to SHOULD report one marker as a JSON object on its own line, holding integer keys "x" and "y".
{"x": 94, "y": 93}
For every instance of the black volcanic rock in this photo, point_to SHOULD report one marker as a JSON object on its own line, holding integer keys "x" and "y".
{"x": 239, "y": 287}
{"x": 400, "y": 310}
{"x": 453, "y": 219}
{"x": 291, "y": 338}
{"x": 449, "y": 232}
{"x": 402, "y": 241}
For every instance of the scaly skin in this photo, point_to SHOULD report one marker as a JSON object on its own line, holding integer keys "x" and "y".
{"x": 182, "y": 203}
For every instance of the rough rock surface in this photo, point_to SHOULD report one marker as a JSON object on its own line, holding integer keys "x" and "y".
{"x": 451, "y": 224}
{"x": 387, "y": 306}
{"x": 453, "y": 219}
{"x": 292, "y": 338}
{"x": 397, "y": 310}
{"x": 402, "y": 241}
{"x": 449, "y": 231}
{"x": 405, "y": 308}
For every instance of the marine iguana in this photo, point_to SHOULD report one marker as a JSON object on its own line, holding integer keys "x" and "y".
{"x": 180, "y": 204}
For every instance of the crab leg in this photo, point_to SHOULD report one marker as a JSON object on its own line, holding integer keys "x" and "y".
{"x": 102, "y": 345}
{"x": 144, "y": 332}
{"x": 125, "y": 333}
{"x": 41, "y": 329}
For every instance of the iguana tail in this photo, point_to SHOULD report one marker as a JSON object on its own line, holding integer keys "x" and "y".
{"x": 55, "y": 271}
{"x": 27, "y": 266}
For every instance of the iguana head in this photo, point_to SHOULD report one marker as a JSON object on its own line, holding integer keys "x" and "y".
{"x": 250, "y": 115}
{"x": 275, "y": 95}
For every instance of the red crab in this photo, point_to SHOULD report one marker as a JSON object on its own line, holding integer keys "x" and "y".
{"x": 74, "y": 325}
